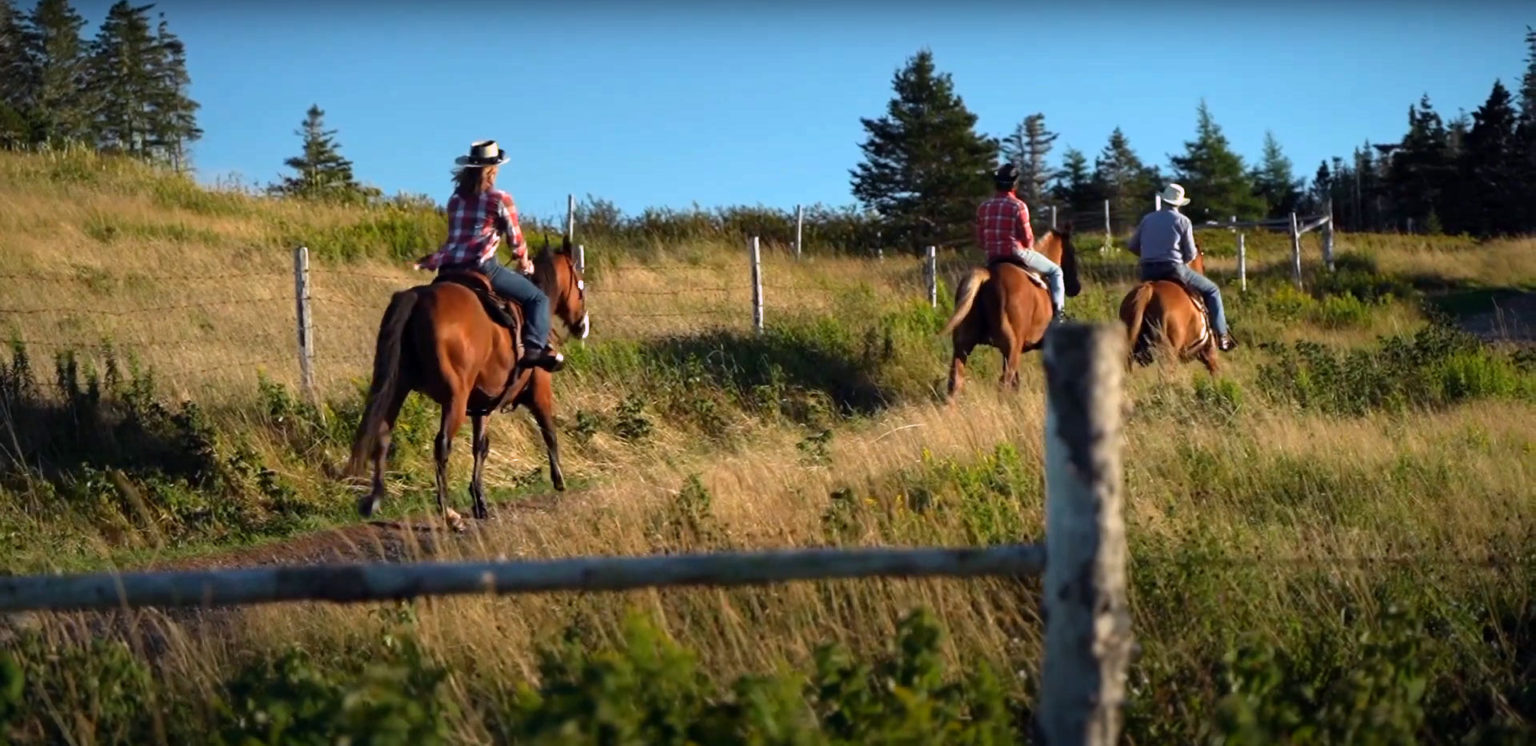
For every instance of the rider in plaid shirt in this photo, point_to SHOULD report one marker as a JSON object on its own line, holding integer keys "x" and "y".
{"x": 1003, "y": 232}
{"x": 478, "y": 214}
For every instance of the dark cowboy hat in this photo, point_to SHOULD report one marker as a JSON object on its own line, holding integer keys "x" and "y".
{"x": 1008, "y": 173}
{"x": 483, "y": 153}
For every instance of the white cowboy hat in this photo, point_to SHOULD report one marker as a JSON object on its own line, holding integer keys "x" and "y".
{"x": 483, "y": 153}
{"x": 1173, "y": 194}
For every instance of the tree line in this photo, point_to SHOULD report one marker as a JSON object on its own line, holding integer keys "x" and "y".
{"x": 925, "y": 166}
{"x": 125, "y": 90}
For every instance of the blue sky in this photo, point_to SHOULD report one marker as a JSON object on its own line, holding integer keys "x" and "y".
{"x": 748, "y": 102}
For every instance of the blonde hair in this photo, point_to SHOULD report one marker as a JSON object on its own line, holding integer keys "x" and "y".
{"x": 469, "y": 181}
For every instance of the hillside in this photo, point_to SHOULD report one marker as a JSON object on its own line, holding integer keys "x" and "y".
{"x": 1338, "y": 528}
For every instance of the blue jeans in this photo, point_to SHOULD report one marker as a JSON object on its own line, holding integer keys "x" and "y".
{"x": 1201, "y": 284}
{"x": 1048, "y": 269}
{"x": 516, "y": 287}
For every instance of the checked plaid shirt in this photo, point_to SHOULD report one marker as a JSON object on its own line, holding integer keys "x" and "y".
{"x": 1002, "y": 225}
{"x": 475, "y": 226}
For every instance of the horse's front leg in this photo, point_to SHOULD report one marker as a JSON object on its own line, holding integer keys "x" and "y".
{"x": 481, "y": 449}
{"x": 453, "y": 419}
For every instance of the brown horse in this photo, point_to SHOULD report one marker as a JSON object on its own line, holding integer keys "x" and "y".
{"x": 1007, "y": 307}
{"x": 1167, "y": 312}
{"x": 440, "y": 340}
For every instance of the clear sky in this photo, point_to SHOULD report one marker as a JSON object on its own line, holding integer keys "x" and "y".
{"x": 670, "y": 103}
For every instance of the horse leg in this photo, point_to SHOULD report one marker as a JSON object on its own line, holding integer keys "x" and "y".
{"x": 453, "y": 419}
{"x": 481, "y": 449}
{"x": 1208, "y": 356}
{"x": 963, "y": 344}
{"x": 369, "y": 503}
{"x": 541, "y": 402}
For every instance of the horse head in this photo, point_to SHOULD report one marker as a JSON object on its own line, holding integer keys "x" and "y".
{"x": 556, "y": 274}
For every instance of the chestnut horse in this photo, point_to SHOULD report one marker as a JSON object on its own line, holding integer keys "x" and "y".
{"x": 1007, "y": 307}
{"x": 440, "y": 340}
{"x": 1167, "y": 312}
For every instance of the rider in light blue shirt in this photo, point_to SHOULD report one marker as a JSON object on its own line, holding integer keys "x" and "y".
{"x": 1165, "y": 240}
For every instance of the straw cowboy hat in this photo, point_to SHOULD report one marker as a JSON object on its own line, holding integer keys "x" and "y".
{"x": 1173, "y": 194}
{"x": 483, "y": 153}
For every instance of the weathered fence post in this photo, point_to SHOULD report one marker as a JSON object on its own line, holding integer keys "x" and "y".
{"x": 1108, "y": 230}
{"x": 1295, "y": 251}
{"x": 1088, "y": 636}
{"x": 306, "y": 322}
{"x": 1328, "y": 238}
{"x": 931, "y": 275}
{"x": 757, "y": 287}
{"x": 1157, "y": 201}
{"x": 1242, "y": 262}
{"x": 581, "y": 259}
{"x": 570, "y": 216}
{"x": 1053, "y": 217}
{"x": 799, "y": 229}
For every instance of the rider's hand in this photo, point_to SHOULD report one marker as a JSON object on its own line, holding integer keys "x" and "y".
{"x": 525, "y": 265}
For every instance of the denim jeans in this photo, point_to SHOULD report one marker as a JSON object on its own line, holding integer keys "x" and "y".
{"x": 1201, "y": 284}
{"x": 517, "y": 287}
{"x": 1050, "y": 270}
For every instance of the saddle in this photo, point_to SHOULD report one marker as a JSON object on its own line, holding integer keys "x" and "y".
{"x": 1033, "y": 276}
{"x": 502, "y": 311}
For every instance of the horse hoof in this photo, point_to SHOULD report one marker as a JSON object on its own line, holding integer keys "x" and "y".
{"x": 559, "y": 483}
{"x": 455, "y": 521}
{"x": 367, "y": 504}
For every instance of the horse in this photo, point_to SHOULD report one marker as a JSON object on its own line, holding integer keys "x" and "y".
{"x": 1007, "y": 307}
{"x": 441, "y": 340}
{"x": 1168, "y": 312}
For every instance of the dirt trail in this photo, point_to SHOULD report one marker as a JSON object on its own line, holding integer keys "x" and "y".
{"x": 1512, "y": 318}
{"x": 417, "y": 537}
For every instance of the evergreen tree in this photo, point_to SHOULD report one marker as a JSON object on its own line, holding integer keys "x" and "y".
{"x": 172, "y": 112}
{"x": 1320, "y": 193}
{"x": 1528, "y": 83}
{"x": 1213, "y": 175}
{"x": 16, "y": 80}
{"x": 925, "y": 168}
{"x": 1273, "y": 181}
{"x": 122, "y": 79}
{"x": 57, "y": 59}
{"x": 1120, "y": 177}
{"x": 1525, "y": 152}
{"x": 1074, "y": 185}
{"x": 1490, "y": 178}
{"x": 1027, "y": 149}
{"x": 1419, "y": 170}
{"x": 321, "y": 171}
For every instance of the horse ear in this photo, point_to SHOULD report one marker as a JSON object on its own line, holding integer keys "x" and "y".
{"x": 565, "y": 244}
{"x": 546, "y": 243}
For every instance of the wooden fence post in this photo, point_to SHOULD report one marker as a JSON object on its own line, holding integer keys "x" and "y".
{"x": 581, "y": 259}
{"x": 1053, "y": 217}
{"x": 306, "y": 322}
{"x": 1088, "y": 637}
{"x": 931, "y": 270}
{"x": 799, "y": 229}
{"x": 570, "y": 216}
{"x": 1242, "y": 262}
{"x": 1295, "y": 252}
{"x": 757, "y": 287}
{"x": 1108, "y": 230}
{"x": 1328, "y": 238}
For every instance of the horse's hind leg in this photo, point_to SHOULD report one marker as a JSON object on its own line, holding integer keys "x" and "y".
{"x": 369, "y": 503}
{"x": 481, "y": 448}
{"x": 964, "y": 344}
{"x": 453, "y": 419}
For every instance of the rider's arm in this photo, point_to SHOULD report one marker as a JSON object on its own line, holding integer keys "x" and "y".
{"x": 1187, "y": 240}
{"x": 1134, "y": 245}
{"x": 1027, "y": 233}
{"x": 506, "y": 220}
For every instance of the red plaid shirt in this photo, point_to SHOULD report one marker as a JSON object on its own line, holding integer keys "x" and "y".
{"x": 475, "y": 226}
{"x": 1002, "y": 225}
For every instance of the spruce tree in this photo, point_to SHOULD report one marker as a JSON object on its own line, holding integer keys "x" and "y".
{"x": 320, "y": 171}
{"x": 1120, "y": 177}
{"x": 1274, "y": 182}
{"x": 1420, "y": 168}
{"x": 172, "y": 112}
{"x": 1320, "y": 193}
{"x": 1074, "y": 185}
{"x": 1525, "y": 152}
{"x": 1213, "y": 175}
{"x": 1489, "y": 177}
{"x": 57, "y": 58}
{"x": 122, "y": 79}
{"x": 1027, "y": 148}
{"x": 16, "y": 79}
{"x": 925, "y": 168}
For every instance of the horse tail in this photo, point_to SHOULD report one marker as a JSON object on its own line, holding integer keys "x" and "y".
{"x": 1139, "y": 302}
{"x": 386, "y": 377}
{"x": 965, "y": 295}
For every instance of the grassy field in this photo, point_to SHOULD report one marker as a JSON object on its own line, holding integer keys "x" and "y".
{"x": 1332, "y": 542}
